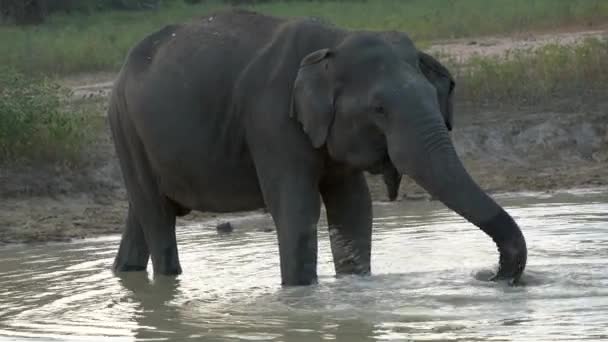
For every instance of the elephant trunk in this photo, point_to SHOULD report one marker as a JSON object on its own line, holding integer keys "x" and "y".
{"x": 428, "y": 156}
{"x": 392, "y": 180}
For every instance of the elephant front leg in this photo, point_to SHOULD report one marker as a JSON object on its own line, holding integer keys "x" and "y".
{"x": 295, "y": 210}
{"x": 349, "y": 215}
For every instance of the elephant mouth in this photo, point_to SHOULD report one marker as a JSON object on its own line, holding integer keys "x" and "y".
{"x": 381, "y": 165}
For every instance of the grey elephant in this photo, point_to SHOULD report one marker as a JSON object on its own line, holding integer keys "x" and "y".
{"x": 239, "y": 110}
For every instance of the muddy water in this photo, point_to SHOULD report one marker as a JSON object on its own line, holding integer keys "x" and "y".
{"x": 428, "y": 264}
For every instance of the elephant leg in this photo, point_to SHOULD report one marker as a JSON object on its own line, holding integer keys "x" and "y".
{"x": 149, "y": 209}
{"x": 349, "y": 215}
{"x": 295, "y": 208}
{"x": 150, "y": 229}
{"x": 133, "y": 253}
{"x": 297, "y": 233}
{"x": 158, "y": 223}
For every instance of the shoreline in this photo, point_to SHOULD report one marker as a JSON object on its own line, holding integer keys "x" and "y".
{"x": 40, "y": 220}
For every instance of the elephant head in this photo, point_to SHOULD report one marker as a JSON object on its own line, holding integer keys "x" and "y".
{"x": 367, "y": 101}
{"x": 443, "y": 81}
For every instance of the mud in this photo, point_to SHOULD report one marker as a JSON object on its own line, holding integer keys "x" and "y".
{"x": 504, "y": 151}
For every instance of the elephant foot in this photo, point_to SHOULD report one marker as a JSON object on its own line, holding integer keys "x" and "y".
{"x": 350, "y": 265}
{"x": 353, "y": 275}
{"x": 359, "y": 272}
{"x": 172, "y": 270}
{"x": 302, "y": 275}
{"x": 300, "y": 282}
{"x": 131, "y": 257}
{"x": 128, "y": 268}
{"x": 167, "y": 262}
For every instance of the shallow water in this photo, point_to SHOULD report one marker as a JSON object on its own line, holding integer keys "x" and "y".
{"x": 428, "y": 265}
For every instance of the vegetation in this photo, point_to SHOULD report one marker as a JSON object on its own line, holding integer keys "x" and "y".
{"x": 33, "y": 12}
{"x": 93, "y": 41}
{"x": 34, "y": 121}
{"x": 539, "y": 77}
{"x": 437, "y": 19}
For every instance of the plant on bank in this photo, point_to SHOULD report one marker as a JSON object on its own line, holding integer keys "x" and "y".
{"x": 534, "y": 77}
{"x": 35, "y": 123}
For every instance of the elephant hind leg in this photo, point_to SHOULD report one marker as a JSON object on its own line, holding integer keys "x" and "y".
{"x": 133, "y": 253}
{"x": 151, "y": 219}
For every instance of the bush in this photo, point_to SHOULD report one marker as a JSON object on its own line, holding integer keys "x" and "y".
{"x": 536, "y": 77}
{"x": 28, "y": 12}
{"x": 23, "y": 12}
{"x": 34, "y": 123}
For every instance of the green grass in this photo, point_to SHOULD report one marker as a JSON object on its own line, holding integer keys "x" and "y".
{"x": 549, "y": 76}
{"x": 35, "y": 122}
{"x": 84, "y": 43}
{"x": 438, "y": 19}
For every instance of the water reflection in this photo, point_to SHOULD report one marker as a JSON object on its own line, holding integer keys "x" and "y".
{"x": 154, "y": 314}
{"x": 157, "y": 316}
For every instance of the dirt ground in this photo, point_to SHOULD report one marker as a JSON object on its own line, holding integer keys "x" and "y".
{"x": 465, "y": 48}
{"x": 504, "y": 151}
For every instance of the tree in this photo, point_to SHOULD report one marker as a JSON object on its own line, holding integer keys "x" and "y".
{"x": 24, "y": 12}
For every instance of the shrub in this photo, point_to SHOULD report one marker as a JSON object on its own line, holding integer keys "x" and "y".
{"x": 28, "y": 12}
{"x": 34, "y": 121}
{"x": 534, "y": 77}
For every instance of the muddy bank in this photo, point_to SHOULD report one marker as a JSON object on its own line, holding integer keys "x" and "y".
{"x": 504, "y": 151}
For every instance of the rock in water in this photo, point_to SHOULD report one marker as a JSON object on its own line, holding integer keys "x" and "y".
{"x": 224, "y": 228}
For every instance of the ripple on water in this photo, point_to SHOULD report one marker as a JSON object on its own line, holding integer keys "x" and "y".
{"x": 429, "y": 266}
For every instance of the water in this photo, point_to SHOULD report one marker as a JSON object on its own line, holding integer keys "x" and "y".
{"x": 428, "y": 266}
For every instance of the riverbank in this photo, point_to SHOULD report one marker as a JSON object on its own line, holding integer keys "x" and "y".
{"x": 528, "y": 151}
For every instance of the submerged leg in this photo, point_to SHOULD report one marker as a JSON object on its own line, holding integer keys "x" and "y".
{"x": 133, "y": 252}
{"x": 349, "y": 216}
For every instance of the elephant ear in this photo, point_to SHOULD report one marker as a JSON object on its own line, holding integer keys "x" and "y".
{"x": 312, "y": 102}
{"x": 444, "y": 83}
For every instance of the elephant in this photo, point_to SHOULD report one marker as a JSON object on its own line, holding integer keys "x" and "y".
{"x": 240, "y": 110}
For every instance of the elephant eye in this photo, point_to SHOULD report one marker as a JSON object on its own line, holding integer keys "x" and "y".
{"x": 378, "y": 109}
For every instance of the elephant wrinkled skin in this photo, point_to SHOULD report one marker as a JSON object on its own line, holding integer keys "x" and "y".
{"x": 238, "y": 111}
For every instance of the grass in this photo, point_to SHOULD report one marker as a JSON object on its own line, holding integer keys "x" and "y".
{"x": 87, "y": 43}
{"x": 35, "y": 123}
{"x": 438, "y": 19}
{"x": 550, "y": 75}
